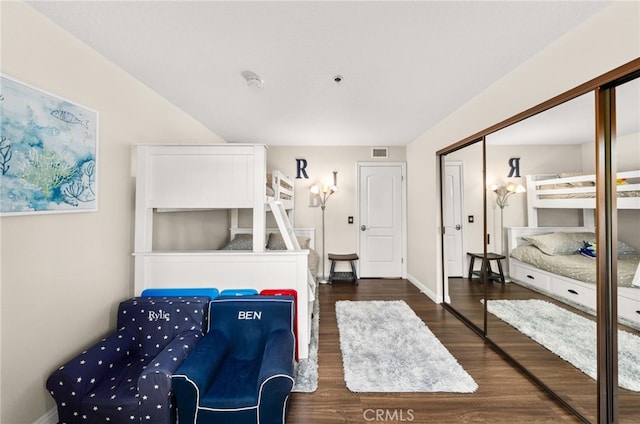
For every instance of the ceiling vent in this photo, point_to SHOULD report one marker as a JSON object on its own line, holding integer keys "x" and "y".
{"x": 379, "y": 152}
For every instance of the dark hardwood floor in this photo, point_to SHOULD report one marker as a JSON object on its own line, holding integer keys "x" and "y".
{"x": 504, "y": 394}
{"x": 571, "y": 384}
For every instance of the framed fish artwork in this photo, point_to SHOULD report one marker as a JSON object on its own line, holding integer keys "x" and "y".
{"x": 48, "y": 152}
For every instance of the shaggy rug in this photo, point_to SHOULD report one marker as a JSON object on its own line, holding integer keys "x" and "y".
{"x": 305, "y": 371}
{"x": 570, "y": 336}
{"x": 387, "y": 348}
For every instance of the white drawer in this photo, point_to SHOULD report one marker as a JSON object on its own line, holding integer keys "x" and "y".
{"x": 574, "y": 292}
{"x": 529, "y": 275}
{"x": 629, "y": 309}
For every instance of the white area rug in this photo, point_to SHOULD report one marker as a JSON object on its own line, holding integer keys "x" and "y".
{"x": 305, "y": 373}
{"x": 387, "y": 348}
{"x": 570, "y": 336}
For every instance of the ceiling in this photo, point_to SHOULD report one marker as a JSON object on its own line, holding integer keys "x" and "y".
{"x": 573, "y": 122}
{"x": 404, "y": 65}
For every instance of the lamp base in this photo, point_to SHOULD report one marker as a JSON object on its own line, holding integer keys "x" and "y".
{"x": 323, "y": 281}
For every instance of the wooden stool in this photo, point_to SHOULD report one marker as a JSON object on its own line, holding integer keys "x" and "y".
{"x": 486, "y": 262}
{"x": 343, "y": 276}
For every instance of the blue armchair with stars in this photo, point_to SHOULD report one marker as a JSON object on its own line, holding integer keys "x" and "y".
{"x": 126, "y": 377}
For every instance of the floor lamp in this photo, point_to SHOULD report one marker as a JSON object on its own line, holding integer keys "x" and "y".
{"x": 322, "y": 194}
{"x": 503, "y": 192}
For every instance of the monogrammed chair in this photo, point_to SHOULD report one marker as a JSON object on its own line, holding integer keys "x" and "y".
{"x": 126, "y": 377}
{"x": 242, "y": 370}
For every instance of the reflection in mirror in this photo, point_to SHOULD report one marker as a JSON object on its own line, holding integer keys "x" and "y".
{"x": 537, "y": 317}
{"x": 462, "y": 187}
{"x": 628, "y": 213}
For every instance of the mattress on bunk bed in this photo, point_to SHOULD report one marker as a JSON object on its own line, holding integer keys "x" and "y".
{"x": 577, "y": 266}
{"x": 589, "y": 195}
{"x": 275, "y": 242}
{"x": 580, "y": 184}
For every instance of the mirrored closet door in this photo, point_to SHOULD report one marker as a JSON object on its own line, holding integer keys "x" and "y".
{"x": 463, "y": 231}
{"x": 539, "y": 199}
{"x": 544, "y": 317}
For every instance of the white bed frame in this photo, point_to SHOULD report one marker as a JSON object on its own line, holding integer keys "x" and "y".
{"x": 564, "y": 288}
{"x": 221, "y": 176}
{"x": 283, "y": 189}
{"x": 535, "y": 191}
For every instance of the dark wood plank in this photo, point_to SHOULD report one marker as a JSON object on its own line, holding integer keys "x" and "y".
{"x": 504, "y": 395}
{"x": 575, "y": 387}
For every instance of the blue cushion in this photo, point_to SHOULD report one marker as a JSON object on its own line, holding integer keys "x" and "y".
{"x": 212, "y": 293}
{"x": 238, "y": 292}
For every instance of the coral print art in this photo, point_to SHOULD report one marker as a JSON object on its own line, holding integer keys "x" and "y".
{"x": 48, "y": 149}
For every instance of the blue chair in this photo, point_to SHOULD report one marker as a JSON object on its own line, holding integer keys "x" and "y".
{"x": 126, "y": 377}
{"x": 212, "y": 293}
{"x": 238, "y": 292}
{"x": 242, "y": 370}
{"x": 286, "y": 292}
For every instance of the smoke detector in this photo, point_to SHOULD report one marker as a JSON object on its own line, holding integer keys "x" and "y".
{"x": 253, "y": 80}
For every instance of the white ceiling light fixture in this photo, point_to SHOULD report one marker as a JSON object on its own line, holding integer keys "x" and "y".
{"x": 253, "y": 80}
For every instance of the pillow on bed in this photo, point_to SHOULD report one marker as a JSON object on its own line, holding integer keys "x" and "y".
{"x": 582, "y": 237}
{"x": 588, "y": 237}
{"x": 625, "y": 249}
{"x": 276, "y": 242}
{"x": 556, "y": 243}
{"x": 313, "y": 261}
{"x": 577, "y": 183}
{"x": 240, "y": 242}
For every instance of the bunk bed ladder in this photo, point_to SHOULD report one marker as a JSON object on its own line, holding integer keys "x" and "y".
{"x": 282, "y": 219}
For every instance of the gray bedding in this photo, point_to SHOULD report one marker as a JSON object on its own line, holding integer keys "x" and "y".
{"x": 576, "y": 266}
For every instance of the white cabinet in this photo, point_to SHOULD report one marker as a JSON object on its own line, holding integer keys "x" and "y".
{"x": 529, "y": 275}
{"x": 582, "y": 294}
{"x": 576, "y": 292}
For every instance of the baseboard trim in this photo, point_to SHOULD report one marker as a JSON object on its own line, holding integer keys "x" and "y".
{"x": 424, "y": 289}
{"x": 51, "y": 417}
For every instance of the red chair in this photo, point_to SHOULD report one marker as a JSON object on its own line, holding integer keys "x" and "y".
{"x": 287, "y": 292}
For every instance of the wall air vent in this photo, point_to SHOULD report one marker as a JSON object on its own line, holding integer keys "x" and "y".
{"x": 379, "y": 152}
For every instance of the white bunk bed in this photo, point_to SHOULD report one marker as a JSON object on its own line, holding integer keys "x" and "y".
{"x": 574, "y": 191}
{"x": 280, "y": 187}
{"x": 563, "y": 287}
{"x": 571, "y": 191}
{"x": 221, "y": 176}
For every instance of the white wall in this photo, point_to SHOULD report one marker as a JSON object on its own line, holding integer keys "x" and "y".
{"x": 608, "y": 40}
{"x": 340, "y": 237}
{"x": 64, "y": 274}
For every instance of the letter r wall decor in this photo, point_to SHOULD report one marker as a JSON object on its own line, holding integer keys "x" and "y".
{"x": 48, "y": 152}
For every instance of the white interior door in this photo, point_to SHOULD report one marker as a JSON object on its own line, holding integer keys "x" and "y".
{"x": 381, "y": 220}
{"x": 453, "y": 231}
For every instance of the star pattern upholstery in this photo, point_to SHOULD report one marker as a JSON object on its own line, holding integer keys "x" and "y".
{"x": 126, "y": 377}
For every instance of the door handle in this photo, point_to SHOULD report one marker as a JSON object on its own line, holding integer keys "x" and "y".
{"x": 363, "y": 227}
{"x": 458, "y": 227}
